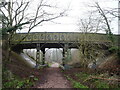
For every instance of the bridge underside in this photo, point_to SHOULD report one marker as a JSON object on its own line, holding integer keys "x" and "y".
{"x": 41, "y": 47}
{"x": 44, "y": 45}
{"x": 43, "y": 40}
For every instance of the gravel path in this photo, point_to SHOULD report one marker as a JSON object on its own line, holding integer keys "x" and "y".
{"x": 53, "y": 78}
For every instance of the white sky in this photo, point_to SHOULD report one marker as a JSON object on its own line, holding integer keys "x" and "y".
{"x": 78, "y": 9}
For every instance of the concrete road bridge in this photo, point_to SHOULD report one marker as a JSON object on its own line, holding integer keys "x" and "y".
{"x": 65, "y": 40}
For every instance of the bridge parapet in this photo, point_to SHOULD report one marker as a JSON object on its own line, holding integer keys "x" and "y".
{"x": 59, "y": 37}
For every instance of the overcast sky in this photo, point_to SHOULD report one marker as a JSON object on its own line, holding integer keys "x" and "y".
{"x": 77, "y": 9}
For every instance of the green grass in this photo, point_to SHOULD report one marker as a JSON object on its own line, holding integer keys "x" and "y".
{"x": 82, "y": 76}
{"x": 78, "y": 85}
{"x": 101, "y": 84}
{"x": 16, "y": 83}
{"x": 86, "y": 78}
{"x": 75, "y": 83}
{"x": 96, "y": 82}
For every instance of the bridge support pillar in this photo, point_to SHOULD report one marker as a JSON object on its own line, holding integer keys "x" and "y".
{"x": 43, "y": 60}
{"x": 37, "y": 55}
{"x": 64, "y": 53}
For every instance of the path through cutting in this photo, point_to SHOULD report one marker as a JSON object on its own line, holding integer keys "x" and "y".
{"x": 53, "y": 78}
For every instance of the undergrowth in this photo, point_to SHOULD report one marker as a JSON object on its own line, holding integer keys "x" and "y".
{"x": 16, "y": 83}
{"x": 12, "y": 81}
{"x": 84, "y": 80}
{"x": 75, "y": 83}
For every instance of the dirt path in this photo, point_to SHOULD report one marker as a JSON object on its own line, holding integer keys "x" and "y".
{"x": 53, "y": 78}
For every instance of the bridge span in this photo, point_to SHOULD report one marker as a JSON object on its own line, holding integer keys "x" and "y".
{"x": 63, "y": 37}
{"x": 58, "y": 37}
{"x": 65, "y": 40}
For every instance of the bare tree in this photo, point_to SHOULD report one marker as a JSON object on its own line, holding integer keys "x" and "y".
{"x": 115, "y": 14}
{"x": 20, "y": 15}
{"x": 17, "y": 14}
{"x": 102, "y": 13}
{"x": 107, "y": 15}
{"x": 114, "y": 11}
{"x": 88, "y": 50}
{"x": 98, "y": 20}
